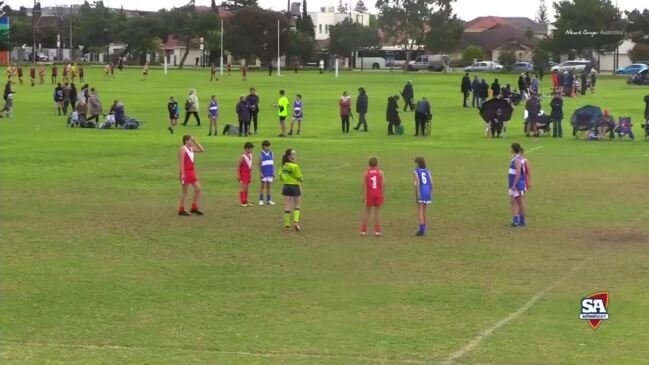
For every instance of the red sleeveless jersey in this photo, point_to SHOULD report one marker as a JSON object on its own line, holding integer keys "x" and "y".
{"x": 374, "y": 187}
{"x": 245, "y": 168}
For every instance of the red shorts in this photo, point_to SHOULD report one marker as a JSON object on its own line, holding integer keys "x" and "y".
{"x": 245, "y": 179}
{"x": 190, "y": 178}
{"x": 373, "y": 201}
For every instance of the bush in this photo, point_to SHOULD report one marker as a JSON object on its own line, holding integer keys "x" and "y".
{"x": 639, "y": 52}
{"x": 507, "y": 59}
{"x": 470, "y": 53}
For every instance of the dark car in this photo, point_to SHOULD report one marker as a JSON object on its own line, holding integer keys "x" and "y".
{"x": 641, "y": 78}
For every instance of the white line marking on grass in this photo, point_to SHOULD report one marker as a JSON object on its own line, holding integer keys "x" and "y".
{"x": 534, "y": 149}
{"x": 647, "y": 155}
{"x": 512, "y": 316}
{"x": 353, "y": 357}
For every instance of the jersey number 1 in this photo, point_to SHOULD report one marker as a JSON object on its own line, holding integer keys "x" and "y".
{"x": 373, "y": 179}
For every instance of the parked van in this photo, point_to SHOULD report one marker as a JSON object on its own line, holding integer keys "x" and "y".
{"x": 435, "y": 62}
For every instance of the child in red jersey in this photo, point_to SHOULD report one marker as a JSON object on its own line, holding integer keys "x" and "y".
{"x": 244, "y": 174}
{"x": 229, "y": 68}
{"x": 32, "y": 75}
{"x": 244, "y": 72}
{"x": 373, "y": 183}
{"x": 188, "y": 174}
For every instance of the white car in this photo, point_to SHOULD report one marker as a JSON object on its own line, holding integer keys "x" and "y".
{"x": 574, "y": 65}
{"x": 484, "y": 66}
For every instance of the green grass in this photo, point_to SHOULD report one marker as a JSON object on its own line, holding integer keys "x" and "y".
{"x": 98, "y": 269}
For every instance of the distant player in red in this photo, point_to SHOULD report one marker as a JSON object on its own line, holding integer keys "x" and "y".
{"x": 213, "y": 73}
{"x": 244, "y": 72}
{"x": 55, "y": 73}
{"x": 373, "y": 184}
{"x": 244, "y": 174}
{"x": 32, "y": 75}
{"x": 41, "y": 73}
{"x": 229, "y": 68}
{"x": 188, "y": 174}
{"x": 19, "y": 69}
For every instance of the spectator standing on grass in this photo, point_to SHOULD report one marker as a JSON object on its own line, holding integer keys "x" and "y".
{"x": 59, "y": 98}
{"x": 535, "y": 87}
{"x": 361, "y": 109}
{"x": 72, "y": 96}
{"x": 475, "y": 87}
{"x": 82, "y": 73}
{"x": 495, "y": 88}
{"x": 345, "y": 104}
{"x": 533, "y": 108}
{"x": 521, "y": 86}
{"x": 422, "y": 115}
{"x": 484, "y": 93}
{"x": 557, "y": 115}
{"x": 7, "y": 90}
{"x": 66, "y": 98}
{"x": 593, "y": 81}
{"x": 94, "y": 106}
{"x": 465, "y": 89}
{"x": 392, "y": 114}
{"x": 192, "y": 108}
{"x": 243, "y": 114}
{"x": 408, "y": 95}
{"x": 253, "y": 102}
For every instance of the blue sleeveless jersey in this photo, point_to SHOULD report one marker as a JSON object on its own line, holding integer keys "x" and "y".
{"x": 267, "y": 164}
{"x": 425, "y": 185}
{"x": 214, "y": 108}
{"x": 520, "y": 185}
{"x": 297, "y": 109}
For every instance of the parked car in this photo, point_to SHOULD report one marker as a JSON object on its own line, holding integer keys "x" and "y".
{"x": 640, "y": 78}
{"x": 484, "y": 66}
{"x": 40, "y": 57}
{"x": 428, "y": 62}
{"x": 643, "y": 62}
{"x": 631, "y": 69}
{"x": 573, "y": 65}
{"x": 523, "y": 67}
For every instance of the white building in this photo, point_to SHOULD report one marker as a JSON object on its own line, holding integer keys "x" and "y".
{"x": 328, "y": 17}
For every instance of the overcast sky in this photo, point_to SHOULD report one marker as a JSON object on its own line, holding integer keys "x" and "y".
{"x": 465, "y": 9}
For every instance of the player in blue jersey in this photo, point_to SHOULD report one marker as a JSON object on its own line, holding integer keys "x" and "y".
{"x": 423, "y": 192}
{"x": 266, "y": 172}
{"x": 517, "y": 186}
{"x": 297, "y": 115}
{"x": 213, "y": 114}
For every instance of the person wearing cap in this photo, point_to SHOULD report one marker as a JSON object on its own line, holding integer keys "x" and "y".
{"x": 408, "y": 94}
{"x": 361, "y": 109}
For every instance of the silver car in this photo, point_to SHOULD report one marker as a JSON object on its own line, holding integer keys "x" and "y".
{"x": 484, "y": 66}
{"x": 574, "y": 65}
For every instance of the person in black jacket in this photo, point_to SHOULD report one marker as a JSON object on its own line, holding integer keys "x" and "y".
{"x": 253, "y": 103}
{"x": 392, "y": 114}
{"x": 495, "y": 88}
{"x": 521, "y": 87}
{"x": 533, "y": 107}
{"x": 556, "y": 115}
{"x": 484, "y": 92}
{"x": 72, "y": 96}
{"x": 361, "y": 109}
{"x": 422, "y": 115}
{"x": 475, "y": 87}
{"x": 408, "y": 94}
{"x": 465, "y": 89}
{"x": 243, "y": 113}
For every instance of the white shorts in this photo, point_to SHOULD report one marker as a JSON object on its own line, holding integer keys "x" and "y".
{"x": 516, "y": 193}
{"x": 268, "y": 179}
{"x": 427, "y": 202}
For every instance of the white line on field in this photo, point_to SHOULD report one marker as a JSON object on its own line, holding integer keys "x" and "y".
{"x": 534, "y": 149}
{"x": 647, "y": 155}
{"x": 353, "y": 357}
{"x": 512, "y": 316}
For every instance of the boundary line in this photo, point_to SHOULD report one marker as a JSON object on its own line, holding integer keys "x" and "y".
{"x": 512, "y": 316}
{"x": 277, "y": 355}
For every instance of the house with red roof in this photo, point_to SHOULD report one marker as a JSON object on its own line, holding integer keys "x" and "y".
{"x": 498, "y": 34}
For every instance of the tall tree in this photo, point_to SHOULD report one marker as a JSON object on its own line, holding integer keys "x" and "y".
{"x": 252, "y": 33}
{"x": 360, "y": 7}
{"x": 404, "y": 21}
{"x": 187, "y": 25}
{"x": 638, "y": 27}
{"x": 347, "y": 36}
{"x": 586, "y": 26}
{"x": 542, "y": 13}
{"x": 342, "y": 7}
{"x": 444, "y": 32}
{"x": 140, "y": 35}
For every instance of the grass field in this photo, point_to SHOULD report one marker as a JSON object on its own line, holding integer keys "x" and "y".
{"x": 97, "y": 268}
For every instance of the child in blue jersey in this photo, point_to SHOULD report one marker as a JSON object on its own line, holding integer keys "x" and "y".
{"x": 297, "y": 115}
{"x": 266, "y": 172}
{"x": 174, "y": 112}
{"x": 423, "y": 191}
{"x": 213, "y": 114}
{"x": 517, "y": 186}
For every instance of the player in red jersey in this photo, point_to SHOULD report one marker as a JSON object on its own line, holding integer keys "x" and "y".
{"x": 229, "y": 68}
{"x": 188, "y": 173}
{"x": 373, "y": 184}
{"x": 244, "y": 174}
{"x": 32, "y": 75}
{"x": 244, "y": 72}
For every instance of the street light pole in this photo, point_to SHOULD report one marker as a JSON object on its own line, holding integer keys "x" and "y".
{"x": 203, "y": 52}
{"x": 221, "y": 62}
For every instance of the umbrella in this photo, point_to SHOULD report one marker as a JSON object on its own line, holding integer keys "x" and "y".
{"x": 588, "y": 114}
{"x": 490, "y": 108}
